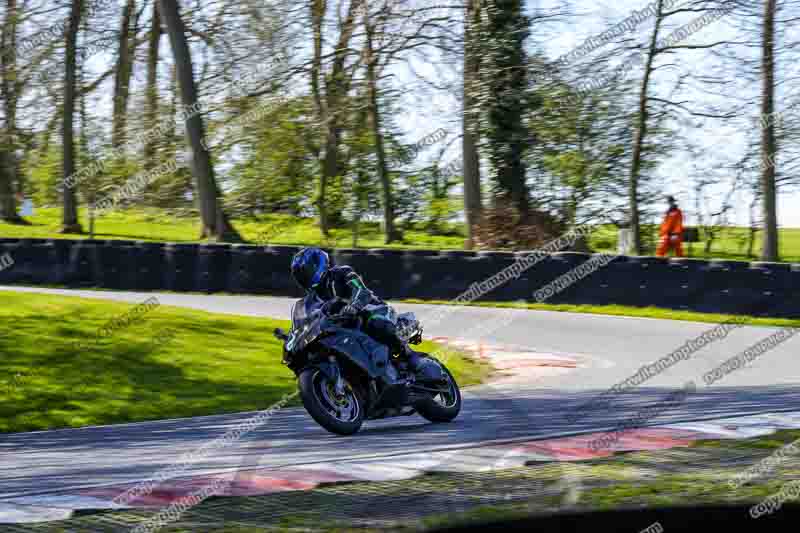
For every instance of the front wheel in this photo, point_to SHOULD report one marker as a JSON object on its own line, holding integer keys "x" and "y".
{"x": 444, "y": 406}
{"x": 342, "y": 414}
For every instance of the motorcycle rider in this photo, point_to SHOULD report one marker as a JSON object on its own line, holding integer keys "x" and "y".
{"x": 326, "y": 286}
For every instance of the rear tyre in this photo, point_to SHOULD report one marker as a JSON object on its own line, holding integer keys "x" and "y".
{"x": 442, "y": 407}
{"x": 340, "y": 414}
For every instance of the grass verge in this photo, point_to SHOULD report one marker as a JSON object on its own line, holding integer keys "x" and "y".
{"x": 151, "y": 224}
{"x": 164, "y": 362}
{"x": 154, "y": 224}
{"x": 623, "y": 310}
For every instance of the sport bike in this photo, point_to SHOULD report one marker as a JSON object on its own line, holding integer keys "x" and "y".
{"x": 345, "y": 376}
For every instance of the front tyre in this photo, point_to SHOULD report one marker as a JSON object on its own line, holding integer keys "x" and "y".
{"x": 444, "y": 406}
{"x": 340, "y": 414}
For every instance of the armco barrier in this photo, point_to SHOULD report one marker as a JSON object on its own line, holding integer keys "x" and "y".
{"x": 762, "y": 289}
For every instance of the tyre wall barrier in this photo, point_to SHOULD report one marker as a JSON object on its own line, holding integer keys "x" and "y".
{"x": 717, "y": 286}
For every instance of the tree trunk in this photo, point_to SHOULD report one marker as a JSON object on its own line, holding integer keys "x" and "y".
{"x": 69, "y": 222}
{"x": 8, "y": 166}
{"x": 317, "y": 17}
{"x": 122, "y": 77}
{"x": 90, "y": 184}
{"x": 175, "y": 89}
{"x": 8, "y": 204}
{"x": 215, "y": 223}
{"x": 359, "y": 192}
{"x": 753, "y": 230}
{"x": 152, "y": 85}
{"x": 769, "y": 251}
{"x": 639, "y": 137}
{"x": 472, "y": 178}
{"x": 330, "y": 169}
{"x": 391, "y": 233}
{"x": 337, "y": 84}
{"x": 505, "y": 81}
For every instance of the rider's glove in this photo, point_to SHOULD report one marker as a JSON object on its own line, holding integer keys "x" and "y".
{"x": 329, "y": 306}
{"x": 349, "y": 310}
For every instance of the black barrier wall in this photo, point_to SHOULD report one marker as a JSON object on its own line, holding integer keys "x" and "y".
{"x": 731, "y": 287}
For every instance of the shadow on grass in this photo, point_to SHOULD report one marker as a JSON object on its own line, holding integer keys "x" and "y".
{"x": 208, "y": 367}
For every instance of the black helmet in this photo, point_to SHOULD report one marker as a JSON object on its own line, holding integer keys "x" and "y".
{"x": 308, "y": 266}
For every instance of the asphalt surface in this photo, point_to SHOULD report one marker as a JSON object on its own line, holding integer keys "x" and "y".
{"x": 610, "y": 350}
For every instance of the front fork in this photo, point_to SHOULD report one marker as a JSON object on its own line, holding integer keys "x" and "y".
{"x": 338, "y": 386}
{"x": 331, "y": 370}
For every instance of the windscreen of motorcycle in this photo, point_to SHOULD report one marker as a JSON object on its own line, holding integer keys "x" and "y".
{"x": 304, "y": 309}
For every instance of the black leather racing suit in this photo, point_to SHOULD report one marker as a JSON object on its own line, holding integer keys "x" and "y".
{"x": 380, "y": 320}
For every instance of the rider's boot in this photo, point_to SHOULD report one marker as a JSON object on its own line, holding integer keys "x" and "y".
{"x": 412, "y": 358}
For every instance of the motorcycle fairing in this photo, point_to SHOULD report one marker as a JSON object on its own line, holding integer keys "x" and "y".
{"x": 301, "y": 337}
{"x": 370, "y": 355}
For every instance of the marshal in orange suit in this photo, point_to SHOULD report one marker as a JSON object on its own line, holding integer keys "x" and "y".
{"x": 671, "y": 231}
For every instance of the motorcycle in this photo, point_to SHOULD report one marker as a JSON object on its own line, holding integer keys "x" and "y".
{"x": 346, "y": 377}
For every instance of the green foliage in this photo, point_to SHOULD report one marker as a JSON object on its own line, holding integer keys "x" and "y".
{"x": 118, "y": 170}
{"x": 582, "y": 152}
{"x": 44, "y": 174}
{"x": 502, "y": 96}
{"x": 276, "y": 172}
{"x": 425, "y": 199}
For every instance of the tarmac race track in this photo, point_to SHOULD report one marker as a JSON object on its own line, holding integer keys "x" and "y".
{"x": 552, "y": 366}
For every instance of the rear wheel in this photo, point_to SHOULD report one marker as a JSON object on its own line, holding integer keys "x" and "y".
{"x": 444, "y": 406}
{"x": 342, "y": 414}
